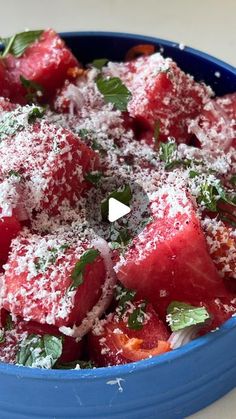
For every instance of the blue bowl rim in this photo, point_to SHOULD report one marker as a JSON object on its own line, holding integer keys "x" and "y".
{"x": 172, "y": 356}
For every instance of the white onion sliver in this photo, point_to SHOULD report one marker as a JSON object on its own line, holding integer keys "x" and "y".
{"x": 105, "y": 299}
{"x": 183, "y": 336}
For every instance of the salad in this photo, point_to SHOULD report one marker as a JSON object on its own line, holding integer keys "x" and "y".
{"x": 76, "y": 290}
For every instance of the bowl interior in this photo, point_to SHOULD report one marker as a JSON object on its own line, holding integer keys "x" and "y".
{"x": 91, "y": 45}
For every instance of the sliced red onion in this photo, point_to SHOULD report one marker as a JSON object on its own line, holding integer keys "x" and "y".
{"x": 103, "y": 303}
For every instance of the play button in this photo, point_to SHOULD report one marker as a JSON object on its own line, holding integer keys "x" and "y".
{"x": 116, "y": 210}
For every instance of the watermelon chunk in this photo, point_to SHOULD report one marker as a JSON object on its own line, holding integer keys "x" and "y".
{"x": 47, "y": 62}
{"x": 106, "y": 347}
{"x": 52, "y": 171}
{"x": 37, "y": 281}
{"x": 170, "y": 257}
{"x": 215, "y": 126}
{"x": 9, "y": 229}
{"x": 161, "y": 93}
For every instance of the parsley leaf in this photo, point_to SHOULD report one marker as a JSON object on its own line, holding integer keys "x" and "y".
{"x": 123, "y": 296}
{"x": 114, "y": 91}
{"x": 99, "y": 63}
{"x": 233, "y": 180}
{"x": 13, "y": 173}
{"x": 18, "y": 43}
{"x": 35, "y": 112}
{"x": 181, "y": 315}
{"x": 123, "y": 195}
{"x": 210, "y": 194}
{"x": 33, "y": 89}
{"x": 93, "y": 177}
{"x": 77, "y": 274}
{"x": 39, "y": 351}
{"x": 10, "y": 124}
{"x": 136, "y": 318}
{"x": 168, "y": 154}
{"x": 156, "y": 133}
{"x": 2, "y": 336}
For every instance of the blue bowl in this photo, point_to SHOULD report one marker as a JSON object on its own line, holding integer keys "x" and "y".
{"x": 170, "y": 386}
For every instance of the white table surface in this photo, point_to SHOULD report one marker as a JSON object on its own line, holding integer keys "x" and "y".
{"x": 208, "y": 25}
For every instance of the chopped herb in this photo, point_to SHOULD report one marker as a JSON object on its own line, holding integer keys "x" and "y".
{"x": 114, "y": 91}
{"x": 43, "y": 263}
{"x": 233, "y": 180}
{"x": 168, "y": 154}
{"x": 227, "y": 220}
{"x": 99, "y": 63}
{"x": 156, "y": 133}
{"x": 93, "y": 177}
{"x": 2, "y": 336}
{"x": 193, "y": 174}
{"x": 136, "y": 318}
{"x": 210, "y": 194}
{"x": 33, "y": 89}
{"x": 9, "y": 323}
{"x": 18, "y": 43}
{"x": 34, "y": 113}
{"x": 73, "y": 364}
{"x": 123, "y": 195}
{"x": 84, "y": 133}
{"x": 77, "y": 275}
{"x": 181, "y": 315}
{"x": 13, "y": 173}
{"x": 39, "y": 351}
{"x": 123, "y": 296}
{"x": 120, "y": 238}
{"x": 10, "y": 124}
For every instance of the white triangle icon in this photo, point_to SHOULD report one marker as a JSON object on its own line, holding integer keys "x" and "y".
{"x": 116, "y": 209}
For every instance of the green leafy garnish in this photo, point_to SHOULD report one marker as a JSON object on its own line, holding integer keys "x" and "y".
{"x": 34, "y": 113}
{"x": 93, "y": 177}
{"x": 233, "y": 180}
{"x": 10, "y": 124}
{"x": 13, "y": 173}
{"x": 33, "y": 89}
{"x": 9, "y": 323}
{"x": 136, "y": 318}
{"x": 39, "y": 351}
{"x": 73, "y": 364}
{"x": 18, "y": 43}
{"x": 123, "y": 195}
{"x": 210, "y": 194}
{"x": 42, "y": 263}
{"x": 2, "y": 336}
{"x": 120, "y": 238}
{"x": 77, "y": 275}
{"x": 168, "y": 154}
{"x": 99, "y": 63}
{"x": 114, "y": 91}
{"x": 193, "y": 174}
{"x": 181, "y": 315}
{"x": 84, "y": 133}
{"x": 123, "y": 296}
{"x": 156, "y": 133}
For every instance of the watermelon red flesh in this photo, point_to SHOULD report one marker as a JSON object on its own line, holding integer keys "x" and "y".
{"x": 228, "y": 103}
{"x": 9, "y": 228}
{"x": 43, "y": 296}
{"x": 46, "y": 62}
{"x": 53, "y": 170}
{"x": 170, "y": 258}
{"x": 161, "y": 92}
{"x": 102, "y": 348}
{"x": 215, "y": 126}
